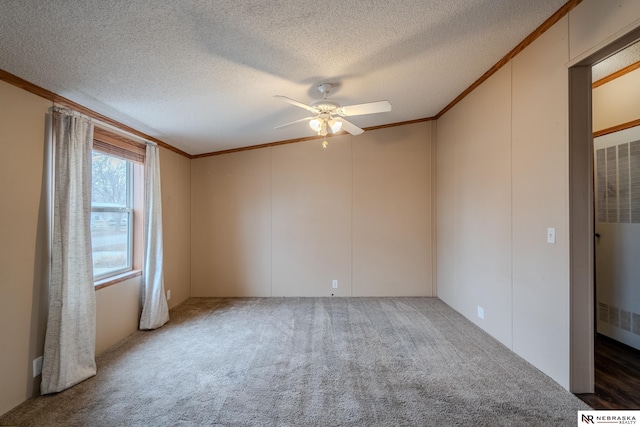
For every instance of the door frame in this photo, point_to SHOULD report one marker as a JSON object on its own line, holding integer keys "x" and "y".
{"x": 581, "y": 216}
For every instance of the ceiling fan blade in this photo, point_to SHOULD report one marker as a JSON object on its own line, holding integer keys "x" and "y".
{"x": 368, "y": 108}
{"x": 350, "y": 127}
{"x": 298, "y": 104}
{"x": 292, "y": 123}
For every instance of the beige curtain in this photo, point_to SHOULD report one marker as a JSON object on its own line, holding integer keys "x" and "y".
{"x": 155, "y": 311}
{"x": 69, "y": 350}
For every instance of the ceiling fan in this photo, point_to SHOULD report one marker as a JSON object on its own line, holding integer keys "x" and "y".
{"x": 329, "y": 116}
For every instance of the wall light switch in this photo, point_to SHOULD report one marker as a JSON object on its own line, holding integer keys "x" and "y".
{"x": 480, "y": 312}
{"x": 551, "y": 235}
{"x": 335, "y": 284}
{"x": 168, "y": 294}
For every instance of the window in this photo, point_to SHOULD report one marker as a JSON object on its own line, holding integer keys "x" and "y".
{"x": 117, "y": 181}
{"x": 111, "y": 215}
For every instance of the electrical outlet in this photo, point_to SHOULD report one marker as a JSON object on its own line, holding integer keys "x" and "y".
{"x": 480, "y": 312}
{"x": 335, "y": 284}
{"x": 37, "y": 366}
{"x": 168, "y": 294}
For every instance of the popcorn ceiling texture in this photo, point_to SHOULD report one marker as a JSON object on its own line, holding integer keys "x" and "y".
{"x": 616, "y": 62}
{"x": 201, "y": 74}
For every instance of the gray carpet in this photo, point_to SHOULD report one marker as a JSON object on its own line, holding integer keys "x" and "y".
{"x": 309, "y": 362}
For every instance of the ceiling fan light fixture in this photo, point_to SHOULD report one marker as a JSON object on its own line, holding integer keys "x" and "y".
{"x": 335, "y": 125}
{"x": 323, "y": 128}
{"x": 315, "y": 124}
{"x": 325, "y": 111}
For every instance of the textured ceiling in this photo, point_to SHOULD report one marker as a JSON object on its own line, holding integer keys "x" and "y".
{"x": 201, "y": 74}
{"x": 616, "y": 62}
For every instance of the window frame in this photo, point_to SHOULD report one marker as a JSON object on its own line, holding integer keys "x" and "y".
{"x": 125, "y": 148}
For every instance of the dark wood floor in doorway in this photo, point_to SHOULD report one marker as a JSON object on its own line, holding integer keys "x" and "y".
{"x": 617, "y": 376}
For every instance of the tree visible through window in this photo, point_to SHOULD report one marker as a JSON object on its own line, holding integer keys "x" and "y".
{"x": 111, "y": 215}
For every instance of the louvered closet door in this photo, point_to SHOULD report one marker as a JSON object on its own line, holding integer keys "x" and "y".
{"x": 617, "y": 216}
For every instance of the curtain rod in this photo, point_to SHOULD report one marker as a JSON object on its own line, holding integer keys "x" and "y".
{"x": 104, "y": 125}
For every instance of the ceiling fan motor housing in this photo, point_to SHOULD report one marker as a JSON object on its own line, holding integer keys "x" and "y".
{"x": 325, "y": 89}
{"x": 325, "y": 106}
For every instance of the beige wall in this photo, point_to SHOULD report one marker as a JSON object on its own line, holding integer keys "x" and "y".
{"x": 231, "y": 224}
{"x": 391, "y": 219}
{"x": 289, "y": 219}
{"x": 595, "y": 23}
{"x": 311, "y": 218}
{"x": 117, "y": 312}
{"x": 23, "y": 248}
{"x": 474, "y": 206}
{"x": 540, "y": 176}
{"x": 22, "y": 241}
{"x": 617, "y": 102}
{"x": 526, "y": 154}
{"x": 175, "y": 171}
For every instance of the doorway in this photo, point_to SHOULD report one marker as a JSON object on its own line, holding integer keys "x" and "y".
{"x": 616, "y": 125}
{"x": 585, "y": 308}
